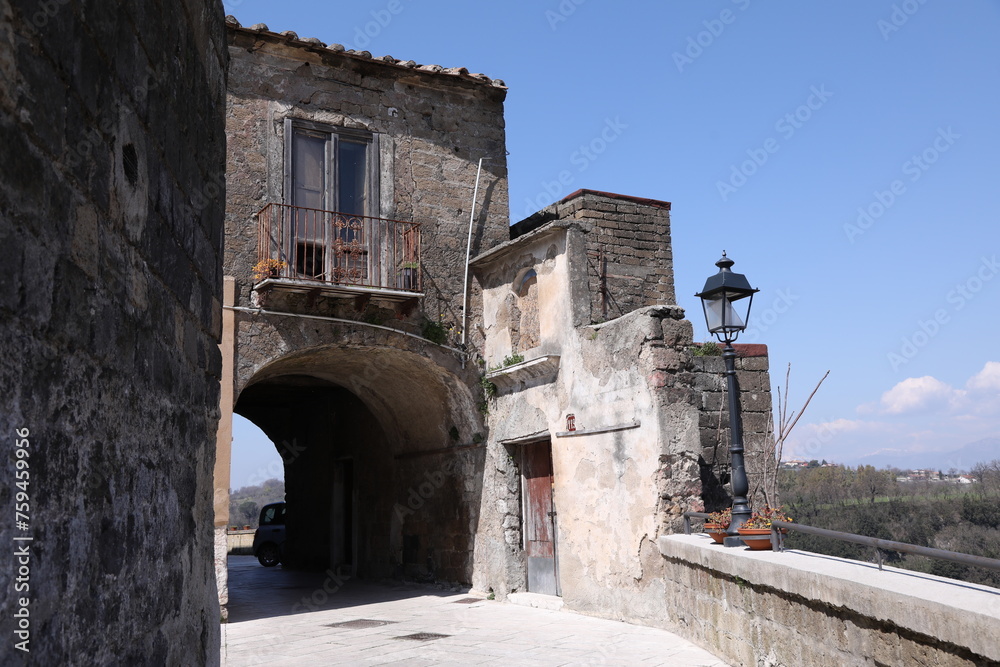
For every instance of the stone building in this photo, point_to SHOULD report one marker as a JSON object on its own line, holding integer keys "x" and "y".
{"x": 420, "y": 440}
{"x": 111, "y": 186}
{"x": 353, "y": 178}
{"x": 604, "y": 426}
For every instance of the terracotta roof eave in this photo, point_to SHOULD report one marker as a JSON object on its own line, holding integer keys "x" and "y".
{"x": 314, "y": 44}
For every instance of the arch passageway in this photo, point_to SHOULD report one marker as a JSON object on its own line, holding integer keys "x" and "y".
{"x": 383, "y": 466}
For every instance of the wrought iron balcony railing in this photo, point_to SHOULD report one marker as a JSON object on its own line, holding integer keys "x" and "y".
{"x": 315, "y": 246}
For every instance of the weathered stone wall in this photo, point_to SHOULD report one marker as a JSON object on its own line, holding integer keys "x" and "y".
{"x": 796, "y": 609}
{"x": 419, "y": 466}
{"x": 632, "y": 466}
{"x": 433, "y": 127}
{"x": 640, "y": 399}
{"x": 629, "y": 258}
{"x": 111, "y": 117}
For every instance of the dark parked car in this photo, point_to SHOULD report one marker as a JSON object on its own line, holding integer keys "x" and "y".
{"x": 269, "y": 538}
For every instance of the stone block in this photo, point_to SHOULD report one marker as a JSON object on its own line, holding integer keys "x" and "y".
{"x": 752, "y": 363}
{"x": 756, "y": 401}
{"x": 677, "y": 333}
{"x": 710, "y": 364}
{"x": 663, "y": 358}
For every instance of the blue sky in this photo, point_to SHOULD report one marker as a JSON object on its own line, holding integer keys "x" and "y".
{"x": 844, "y": 154}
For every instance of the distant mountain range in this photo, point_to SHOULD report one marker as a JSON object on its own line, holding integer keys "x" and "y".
{"x": 962, "y": 458}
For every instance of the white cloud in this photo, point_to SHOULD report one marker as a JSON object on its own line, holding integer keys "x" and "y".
{"x": 923, "y": 393}
{"x": 987, "y": 379}
{"x": 917, "y": 415}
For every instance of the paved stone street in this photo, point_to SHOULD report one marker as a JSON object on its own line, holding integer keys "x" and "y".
{"x": 278, "y": 618}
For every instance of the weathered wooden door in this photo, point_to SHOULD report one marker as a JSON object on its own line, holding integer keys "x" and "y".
{"x": 540, "y": 519}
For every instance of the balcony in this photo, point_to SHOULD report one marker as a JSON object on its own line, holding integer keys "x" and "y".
{"x": 336, "y": 254}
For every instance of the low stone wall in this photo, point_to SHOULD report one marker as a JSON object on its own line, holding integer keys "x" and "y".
{"x": 240, "y": 542}
{"x": 800, "y": 609}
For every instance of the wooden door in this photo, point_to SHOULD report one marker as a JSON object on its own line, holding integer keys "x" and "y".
{"x": 540, "y": 519}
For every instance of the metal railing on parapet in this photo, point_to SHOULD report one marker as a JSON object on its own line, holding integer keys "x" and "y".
{"x": 778, "y": 529}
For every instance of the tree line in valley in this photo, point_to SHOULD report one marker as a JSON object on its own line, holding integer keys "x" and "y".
{"x": 872, "y": 502}
{"x": 245, "y": 503}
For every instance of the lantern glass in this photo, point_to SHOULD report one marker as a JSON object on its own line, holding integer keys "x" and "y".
{"x": 722, "y": 317}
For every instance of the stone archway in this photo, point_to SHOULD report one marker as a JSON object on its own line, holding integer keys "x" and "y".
{"x": 382, "y": 457}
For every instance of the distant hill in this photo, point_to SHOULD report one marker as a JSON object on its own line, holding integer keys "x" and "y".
{"x": 245, "y": 502}
{"x": 962, "y": 458}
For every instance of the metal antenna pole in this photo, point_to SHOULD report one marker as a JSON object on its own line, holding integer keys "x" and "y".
{"x": 468, "y": 252}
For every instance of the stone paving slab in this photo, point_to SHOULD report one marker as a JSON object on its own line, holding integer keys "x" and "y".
{"x": 280, "y": 618}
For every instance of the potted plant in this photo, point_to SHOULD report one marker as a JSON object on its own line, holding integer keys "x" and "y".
{"x": 410, "y": 273}
{"x": 756, "y": 532}
{"x": 268, "y": 268}
{"x": 717, "y": 524}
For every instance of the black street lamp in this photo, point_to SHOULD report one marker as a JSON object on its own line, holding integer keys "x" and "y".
{"x": 726, "y": 299}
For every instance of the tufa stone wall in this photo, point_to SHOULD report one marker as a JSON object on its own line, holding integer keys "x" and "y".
{"x": 111, "y": 115}
{"x": 432, "y": 126}
{"x": 406, "y": 414}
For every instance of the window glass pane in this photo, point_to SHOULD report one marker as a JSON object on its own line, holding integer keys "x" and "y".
{"x": 308, "y": 187}
{"x": 308, "y": 174}
{"x": 351, "y": 170}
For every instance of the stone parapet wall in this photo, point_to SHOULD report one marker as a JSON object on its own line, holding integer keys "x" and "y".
{"x": 112, "y": 162}
{"x": 798, "y": 609}
{"x": 239, "y": 542}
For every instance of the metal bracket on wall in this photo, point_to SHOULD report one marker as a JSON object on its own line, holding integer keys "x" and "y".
{"x": 599, "y": 429}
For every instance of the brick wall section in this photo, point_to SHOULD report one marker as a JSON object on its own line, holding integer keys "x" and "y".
{"x": 630, "y": 262}
{"x": 112, "y": 126}
{"x": 755, "y": 401}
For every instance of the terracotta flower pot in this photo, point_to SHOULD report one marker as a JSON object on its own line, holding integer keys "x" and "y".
{"x": 716, "y": 531}
{"x": 758, "y": 539}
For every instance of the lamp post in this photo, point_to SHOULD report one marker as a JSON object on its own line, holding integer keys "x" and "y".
{"x": 726, "y": 300}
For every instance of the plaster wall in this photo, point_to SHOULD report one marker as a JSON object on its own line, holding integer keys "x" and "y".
{"x": 610, "y": 486}
{"x": 643, "y": 451}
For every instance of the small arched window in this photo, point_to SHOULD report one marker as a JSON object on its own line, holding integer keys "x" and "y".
{"x": 524, "y": 281}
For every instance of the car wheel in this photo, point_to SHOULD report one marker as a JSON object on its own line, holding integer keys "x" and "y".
{"x": 268, "y": 555}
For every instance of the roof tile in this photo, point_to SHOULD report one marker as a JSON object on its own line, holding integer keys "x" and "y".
{"x": 291, "y": 36}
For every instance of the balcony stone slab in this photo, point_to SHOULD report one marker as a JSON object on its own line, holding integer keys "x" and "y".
{"x": 533, "y": 371}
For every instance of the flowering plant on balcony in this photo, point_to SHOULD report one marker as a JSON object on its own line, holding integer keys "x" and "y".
{"x": 721, "y": 519}
{"x": 761, "y": 519}
{"x": 268, "y": 268}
